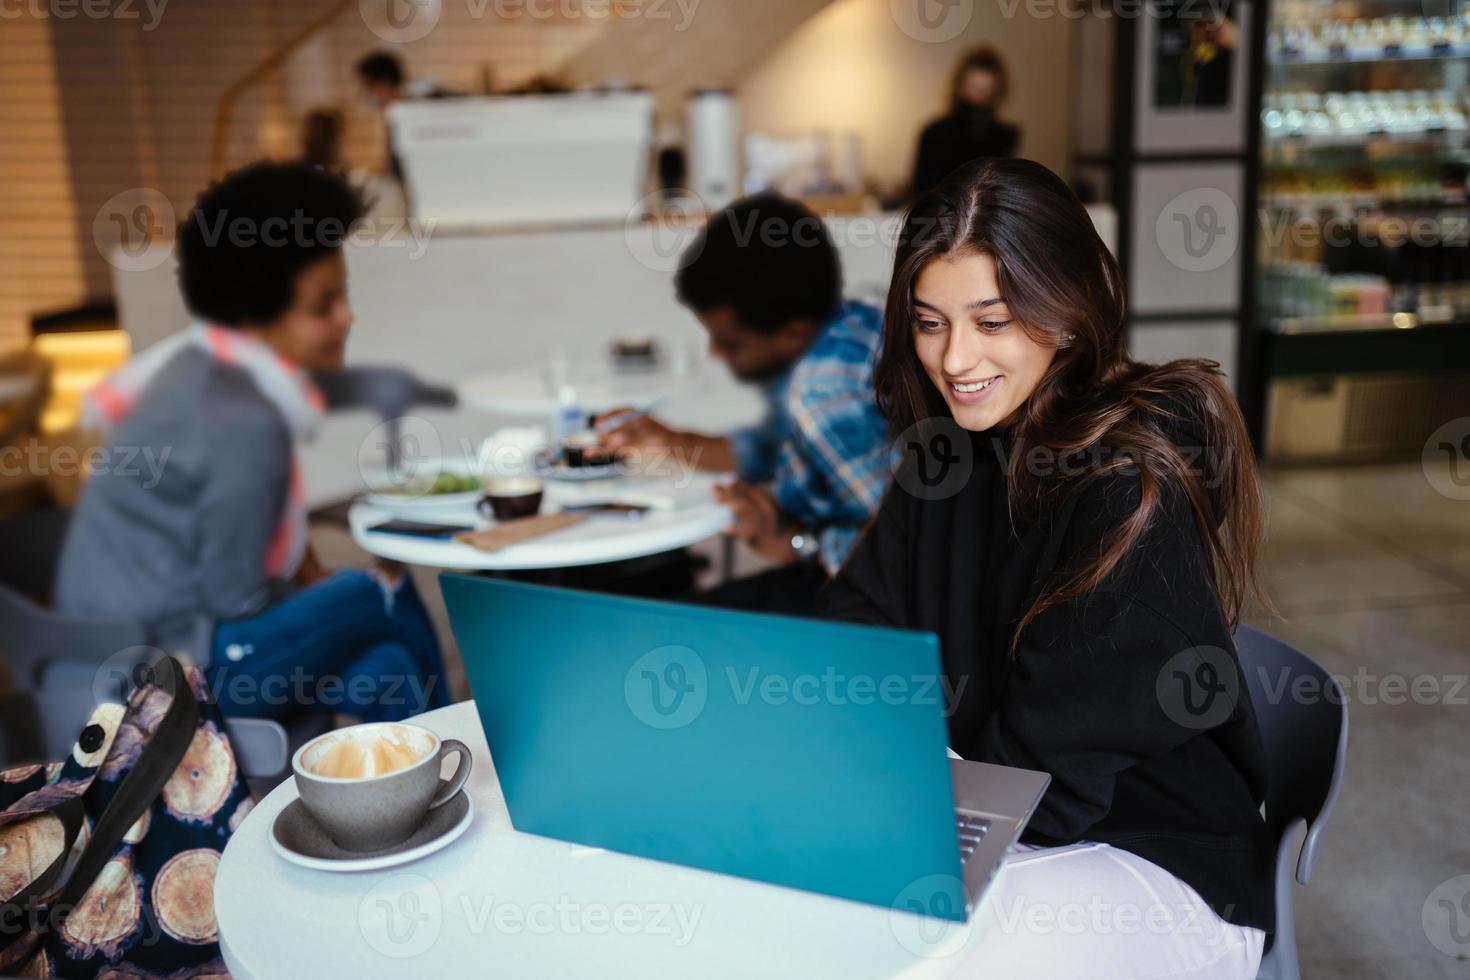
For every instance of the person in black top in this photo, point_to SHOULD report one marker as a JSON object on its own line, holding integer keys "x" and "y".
{"x": 1079, "y": 529}
{"x": 382, "y": 77}
{"x": 384, "y": 81}
{"x": 970, "y": 130}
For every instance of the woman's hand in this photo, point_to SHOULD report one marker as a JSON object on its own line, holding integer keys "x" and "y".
{"x": 758, "y": 521}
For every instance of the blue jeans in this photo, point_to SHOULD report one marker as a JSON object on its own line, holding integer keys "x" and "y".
{"x": 343, "y": 644}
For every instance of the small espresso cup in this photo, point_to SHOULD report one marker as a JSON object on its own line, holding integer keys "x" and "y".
{"x": 380, "y": 797}
{"x": 510, "y": 497}
{"x": 585, "y": 450}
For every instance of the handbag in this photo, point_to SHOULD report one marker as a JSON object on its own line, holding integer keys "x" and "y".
{"x": 108, "y": 857}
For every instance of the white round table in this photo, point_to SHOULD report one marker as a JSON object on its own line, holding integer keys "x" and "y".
{"x": 498, "y": 903}
{"x": 529, "y": 389}
{"x": 694, "y": 517}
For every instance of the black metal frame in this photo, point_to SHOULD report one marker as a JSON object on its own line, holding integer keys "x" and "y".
{"x": 1252, "y": 345}
{"x": 1250, "y": 377}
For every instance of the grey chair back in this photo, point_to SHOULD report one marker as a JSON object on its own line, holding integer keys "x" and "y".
{"x": 55, "y": 660}
{"x": 1302, "y": 714}
{"x": 62, "y": 667}
{"x": 389, "y": 392}
{"x": 30, "y": 550}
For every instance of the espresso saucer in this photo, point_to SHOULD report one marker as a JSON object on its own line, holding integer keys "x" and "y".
{"x": 298, "y": 838}
{"x": 577, "y": 474}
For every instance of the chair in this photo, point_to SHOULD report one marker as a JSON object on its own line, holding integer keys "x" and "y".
{"x": 55, "y": 664}
{"x": 30, "y": 549}
{"x": 25, "y": 386}
{"x": 389, "y": 392}
{"x": 1306, "y": 753}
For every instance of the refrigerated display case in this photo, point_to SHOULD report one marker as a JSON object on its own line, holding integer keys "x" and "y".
{"x": 1362, "y": 252}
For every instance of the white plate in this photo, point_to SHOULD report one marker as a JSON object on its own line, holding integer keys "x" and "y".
{"x": 410, "y": 504}
{"x": 380, "y": 861}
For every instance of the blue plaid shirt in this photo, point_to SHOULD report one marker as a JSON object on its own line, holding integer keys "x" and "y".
{"x": 824, "y": 445}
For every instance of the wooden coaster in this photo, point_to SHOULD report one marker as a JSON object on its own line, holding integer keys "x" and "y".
{"x": 514, "y": 532}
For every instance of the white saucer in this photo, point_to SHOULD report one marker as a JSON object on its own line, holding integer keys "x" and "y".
{"x": 310, "y": 847}
{"x": 578, "y": 474}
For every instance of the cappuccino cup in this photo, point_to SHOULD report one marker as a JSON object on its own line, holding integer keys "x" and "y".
{"x": 369, "y": 786}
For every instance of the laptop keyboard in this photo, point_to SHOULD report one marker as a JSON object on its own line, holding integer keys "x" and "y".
{"x": 972, "y": 831}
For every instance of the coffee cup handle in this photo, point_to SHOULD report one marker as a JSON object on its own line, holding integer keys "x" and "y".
{"x": 461, "y": 771}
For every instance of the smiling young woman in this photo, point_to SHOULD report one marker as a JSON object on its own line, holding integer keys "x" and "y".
{"x": 968, "y": 344}
{"x": 1093, "y": 562}
{"x": 1006, "y": 312}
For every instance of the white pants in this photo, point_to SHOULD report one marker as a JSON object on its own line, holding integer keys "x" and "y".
{"x": 1095, "y": 912}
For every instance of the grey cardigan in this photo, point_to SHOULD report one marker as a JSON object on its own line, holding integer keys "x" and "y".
{"x": 173, "y": 531}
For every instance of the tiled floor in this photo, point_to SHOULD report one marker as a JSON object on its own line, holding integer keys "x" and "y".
{"x": 1370, "y": 568}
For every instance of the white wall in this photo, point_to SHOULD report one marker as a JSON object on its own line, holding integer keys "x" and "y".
{"x": 852, "y": 67}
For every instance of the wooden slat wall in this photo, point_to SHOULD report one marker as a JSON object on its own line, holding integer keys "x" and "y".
{"x": 39, "y": 264}
{"x": 99, "y": 106}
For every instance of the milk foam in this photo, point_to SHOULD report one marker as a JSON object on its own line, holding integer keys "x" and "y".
{"x": 360, "y": 753}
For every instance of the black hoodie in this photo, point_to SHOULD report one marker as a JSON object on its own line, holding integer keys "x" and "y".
{"x": 1103, "y": 692}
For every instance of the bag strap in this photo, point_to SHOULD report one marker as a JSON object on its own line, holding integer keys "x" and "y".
{"x": 140, "y": 787}
{"x": 13, "y": 912}
{"x": 157, "y": 762}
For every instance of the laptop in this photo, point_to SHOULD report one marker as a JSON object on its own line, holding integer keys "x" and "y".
{"x": 796, "y": 752}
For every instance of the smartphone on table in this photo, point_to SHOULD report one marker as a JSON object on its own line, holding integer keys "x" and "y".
{"x": 419, "y": 529}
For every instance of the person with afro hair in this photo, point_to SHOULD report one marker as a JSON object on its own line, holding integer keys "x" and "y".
{"x": 203, "y": 543}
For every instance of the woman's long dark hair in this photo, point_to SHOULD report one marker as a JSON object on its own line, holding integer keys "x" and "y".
{"x": 1064, "y": 289}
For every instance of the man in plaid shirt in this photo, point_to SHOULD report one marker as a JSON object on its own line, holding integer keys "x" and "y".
{"x": 764, "y": 280}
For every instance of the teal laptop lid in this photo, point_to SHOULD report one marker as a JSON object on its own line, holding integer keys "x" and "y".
{"x": 790, "y": 751}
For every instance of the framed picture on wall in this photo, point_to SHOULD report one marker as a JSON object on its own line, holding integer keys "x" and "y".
{"x": 1194, "y": 57}
{"x": 1193, "y": 76}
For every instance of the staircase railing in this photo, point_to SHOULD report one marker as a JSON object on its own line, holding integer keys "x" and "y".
{"x": 224, "y": 116}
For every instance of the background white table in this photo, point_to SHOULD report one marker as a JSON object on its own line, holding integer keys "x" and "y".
{"x": 591, "y": 542}
{"x": 498, "y": 903}
{"x": 529, "y": 389}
